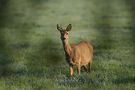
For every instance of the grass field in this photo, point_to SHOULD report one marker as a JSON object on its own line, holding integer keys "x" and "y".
{"x": 31, "y": 52}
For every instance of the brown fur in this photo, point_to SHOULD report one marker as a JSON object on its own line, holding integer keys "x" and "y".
{"x": 80, "y": 54}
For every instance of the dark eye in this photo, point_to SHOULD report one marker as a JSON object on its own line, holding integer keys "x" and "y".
{"x": 66, "y": 33}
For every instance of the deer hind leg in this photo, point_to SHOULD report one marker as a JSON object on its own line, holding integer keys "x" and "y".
{"x": 89, "y": 67}
{"x": 85, "y": 67}
{"x": 78, "y": 68}
{"x": 71, "y": 70}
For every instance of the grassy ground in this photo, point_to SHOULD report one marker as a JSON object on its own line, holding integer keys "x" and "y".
{"x": 31, "y": 53}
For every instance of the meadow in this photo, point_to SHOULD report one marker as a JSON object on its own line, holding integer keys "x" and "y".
{"x": 31, "y": 52}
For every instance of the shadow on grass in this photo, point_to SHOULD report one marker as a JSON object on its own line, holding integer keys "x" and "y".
{"x": 5, "y": 57}
{"x": 103, "y": 27}
{"x": 74, "y": 81}
{"x": 5, "y": 68}
{"x": 5, "y": 52}
{"x": 52, "y": 52}
{"x": 16, "y": 30}
{"x": 46, "y": 55}
{"x": 81, "y": 80}
{"x": 38, "y": 1}
{"x": 3, "y": 11}
{"x": 131, "y": 8}
{"x": 125, "y": 80}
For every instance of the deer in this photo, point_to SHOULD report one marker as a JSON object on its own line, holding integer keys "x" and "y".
{"x": 79, "y": 55}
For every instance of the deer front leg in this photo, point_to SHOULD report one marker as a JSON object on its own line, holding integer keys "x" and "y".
{"x": 78, "y": 68}
{"x": 71, "y": 70}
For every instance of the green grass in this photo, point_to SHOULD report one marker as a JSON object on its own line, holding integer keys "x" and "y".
{"x": 31, "y": 52}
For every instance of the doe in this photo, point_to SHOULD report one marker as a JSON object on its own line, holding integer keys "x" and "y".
{"x": 77, "y": 54}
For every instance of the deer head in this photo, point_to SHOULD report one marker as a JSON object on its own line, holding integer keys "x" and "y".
{"x": 64, "y": 32}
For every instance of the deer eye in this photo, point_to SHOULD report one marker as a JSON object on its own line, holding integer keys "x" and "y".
{"x": 66, "y": 33}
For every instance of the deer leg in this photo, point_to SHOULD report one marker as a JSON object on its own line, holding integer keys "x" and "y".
{"x": 89, "y": 67}
{"x": 78, "y": 68}
{"x": 71, "y": 70}
{"x": 85, "y": 68}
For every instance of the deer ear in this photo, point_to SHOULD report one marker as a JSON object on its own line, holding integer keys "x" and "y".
{"x": 59, "y": 27}
{"x": 69, "y": 27}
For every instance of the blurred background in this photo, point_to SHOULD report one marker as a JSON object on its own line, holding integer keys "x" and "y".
{"x": 31, "y": 52}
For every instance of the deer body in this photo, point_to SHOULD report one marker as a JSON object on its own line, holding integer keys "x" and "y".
{"x": 79, "y": 55}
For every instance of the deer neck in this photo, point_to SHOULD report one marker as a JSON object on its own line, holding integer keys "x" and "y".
{"x": 67, "y": 47}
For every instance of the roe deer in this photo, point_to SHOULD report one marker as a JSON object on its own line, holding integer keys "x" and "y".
{"x": 80, "y": 54}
